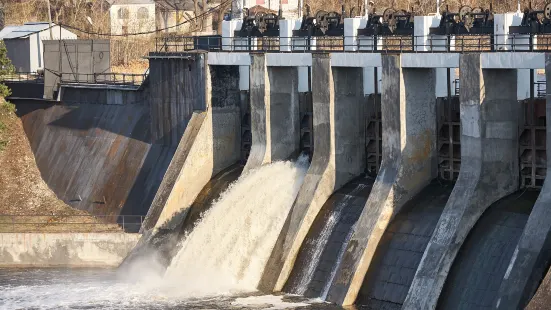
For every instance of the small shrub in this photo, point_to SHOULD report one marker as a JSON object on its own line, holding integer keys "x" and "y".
{"x": 7, "y": 106}
{"x": 4, "y": 90}
{"x": 3, "y": 144}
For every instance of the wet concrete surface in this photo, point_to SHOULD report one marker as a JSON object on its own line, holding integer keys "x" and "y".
{"x": 387, "y": 282}
{"x": 350, "y": 200}
{"x": 478, "y": 270}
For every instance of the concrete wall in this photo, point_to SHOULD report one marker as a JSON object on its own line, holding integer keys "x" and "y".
{"x": 97, "y": 158}
{"x": 339, "y": 156}
{"x": 274, "y": 112}
{"x": 103, "y": 94}
{"x": 532, "y": 254}
{"x": 177, "y": 89}
{"x": 26, "y": 89}
{"x": 489, "y": 171}
{"x": 65, "y": 249}
{"x": 409, "y": 163}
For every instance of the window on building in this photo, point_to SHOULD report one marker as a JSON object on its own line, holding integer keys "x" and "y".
{"x": 124, "y": 29}
{"x": 143, "y": 13}
{"x": 123, "y": 13}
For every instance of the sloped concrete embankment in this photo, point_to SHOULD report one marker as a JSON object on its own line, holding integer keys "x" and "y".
{"x": 210, "y": 144}
{"x": 324, "y": 242}
{"x": 399, "y": 252}
{"x": 109, "y": 158}
{"x": 274, "y": 112}
{"x": 97, "y": 158}
{"x": 489, "y": 171}
{"x": 482, "y": 261}
{"x": 339, "y": 156}
{"x": 409, "y": 163}
{"x": 65, "y": 250}
{"x": 533, "y": 252}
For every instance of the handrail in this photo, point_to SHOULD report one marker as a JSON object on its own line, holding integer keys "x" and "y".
{"x": 111, "y": 78}
{"x": 365, "y": 44}
{"x": 12, "y": 223}
{"x": 23, "y": 77}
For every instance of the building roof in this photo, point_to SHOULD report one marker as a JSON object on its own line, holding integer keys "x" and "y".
{"x": 20, "y": 31}
{"x": 180, "y": 5}
{"x": 128, "y": 2}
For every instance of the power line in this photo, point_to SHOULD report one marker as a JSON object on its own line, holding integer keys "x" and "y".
{"x": 210, "y": 11}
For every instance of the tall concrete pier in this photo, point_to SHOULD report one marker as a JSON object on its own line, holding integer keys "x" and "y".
{"x": 339, "y": 156}
{"x": 409, "y": 163}
{"x": 210, "y": 144}
{"x": 531, "y": 256}
{"x": 274, "y": 112}
{"x": 489, "y": 171}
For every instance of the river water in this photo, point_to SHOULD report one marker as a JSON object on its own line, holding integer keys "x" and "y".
{"x": 218, "y": 266}
{"x": 104, "y": 289}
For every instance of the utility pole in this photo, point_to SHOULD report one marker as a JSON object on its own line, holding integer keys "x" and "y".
{"x": 50, "y": 20}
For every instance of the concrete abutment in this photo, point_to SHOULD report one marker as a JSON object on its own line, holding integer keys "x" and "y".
{"x": 210, "y": 144}
{"x": 339, "y": 156}
{"x": 489, "y": 171}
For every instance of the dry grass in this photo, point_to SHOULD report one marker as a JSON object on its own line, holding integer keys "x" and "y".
{"x": 24, "y": 192}
{"x": 137, "y": 66}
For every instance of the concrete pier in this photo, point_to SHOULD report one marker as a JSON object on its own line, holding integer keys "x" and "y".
{"x": 215, "y": 147}
{"x": 275, "y": 116}
{"x": 210, "y": 144}
{"x": 489, "y": 171}
{"x": 531, "y": 256}
{"x": 339, "y": 156}
{"x": 408, "y": 109}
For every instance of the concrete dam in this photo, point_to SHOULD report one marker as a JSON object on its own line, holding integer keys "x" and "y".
{"x": 374, "y": 179}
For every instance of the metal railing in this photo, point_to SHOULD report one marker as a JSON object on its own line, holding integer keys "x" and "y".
{"x": 122, "y": 79}
{"x": 70, "y": 223}
{"x": 366, "y": 44}
{"x": 456, "y": 87}
{"x": 30, "y": 77}
{"x": 541, "y": 88}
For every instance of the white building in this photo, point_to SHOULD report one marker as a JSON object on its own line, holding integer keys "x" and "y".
{"x": 290, "y": 8}
{"x": 132, "y": 16}
{"x": 179, "y": 16}
{"x": 24, "y": 43}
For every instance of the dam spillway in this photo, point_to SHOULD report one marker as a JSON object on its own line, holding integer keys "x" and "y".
{"x": 452, "y": 184}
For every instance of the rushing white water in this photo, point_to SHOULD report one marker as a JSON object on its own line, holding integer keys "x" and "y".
{"x": 337, "y": 264}
{"x": 318, "y": 244}
{"x": 224, "y": 255}
{"x": 228, "y": 249}
{"x": 53, "y": 289}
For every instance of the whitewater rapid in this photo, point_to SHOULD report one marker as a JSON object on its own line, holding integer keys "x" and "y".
{"x": 224, "y": 255}
{"x": 228, "y": 249}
